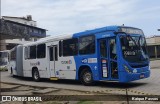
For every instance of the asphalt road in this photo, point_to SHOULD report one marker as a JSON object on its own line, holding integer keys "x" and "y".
{"x": 149, "y": 86}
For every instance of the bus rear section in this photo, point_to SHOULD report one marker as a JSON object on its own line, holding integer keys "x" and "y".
{"x": 15, "y": 66}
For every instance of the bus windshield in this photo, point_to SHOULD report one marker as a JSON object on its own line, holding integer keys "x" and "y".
{"x": 134, "y": 48}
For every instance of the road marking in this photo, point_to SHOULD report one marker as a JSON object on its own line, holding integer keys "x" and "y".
{"x": 121, "y": 90}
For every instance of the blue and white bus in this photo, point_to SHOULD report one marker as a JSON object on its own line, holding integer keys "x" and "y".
{"x": 112, "y": 53}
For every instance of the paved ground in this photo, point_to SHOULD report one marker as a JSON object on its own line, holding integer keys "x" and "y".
{"x": 148, "y": 86}
{"x": 155, "y": 64}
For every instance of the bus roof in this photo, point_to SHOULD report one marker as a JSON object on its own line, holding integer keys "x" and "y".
{"x": 87, "y": 32}
{"x": 50, "y": 38}
{"x": 103, "y": 29}
{"x": 97, "y": 30}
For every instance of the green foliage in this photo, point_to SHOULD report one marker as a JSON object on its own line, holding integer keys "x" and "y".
{"x": 3, "y": 69}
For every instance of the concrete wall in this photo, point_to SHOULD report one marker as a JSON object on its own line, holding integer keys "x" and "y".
{"x": 2, "y": 45}
{"x": 153, "y": 40}
{"x": 157, "y": 39}
{"x": 153, "y": 45}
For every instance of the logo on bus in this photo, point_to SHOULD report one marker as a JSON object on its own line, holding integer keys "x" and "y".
{"x": 84, "y": 60}
{"x": 35, "y": 64}
{"x": 66, "y": 62}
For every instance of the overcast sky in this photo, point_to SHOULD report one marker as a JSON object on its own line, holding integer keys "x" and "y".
{"x": 70, "y": 16}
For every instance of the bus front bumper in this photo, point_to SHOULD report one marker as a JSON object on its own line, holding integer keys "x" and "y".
{"x": 134, "y": 76}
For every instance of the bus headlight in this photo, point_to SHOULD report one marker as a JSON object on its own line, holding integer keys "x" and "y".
{"x": 127, "y": 69}
{"x": 135, "y": 71}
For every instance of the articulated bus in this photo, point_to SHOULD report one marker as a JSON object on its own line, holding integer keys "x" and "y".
{"x": 112, "y": 53}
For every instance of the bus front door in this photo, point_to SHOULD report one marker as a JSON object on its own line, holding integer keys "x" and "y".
{"x": 104, "y": 58}
{"x": 53, "y": 58}
{"x": 108, "y": 59}
{"x": 113, "y": 59}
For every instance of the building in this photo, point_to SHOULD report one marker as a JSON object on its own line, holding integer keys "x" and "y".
{"x": 19, "y": 30}
{"x": 153, "y": 45}
{"x": 23, "y": 20}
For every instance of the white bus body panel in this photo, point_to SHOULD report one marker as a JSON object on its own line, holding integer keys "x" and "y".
{"x": 19, "y": 60}
{"x": 40, "y": 64}
{"x": 64, "y": 68}
{"x": 16, "y": 65}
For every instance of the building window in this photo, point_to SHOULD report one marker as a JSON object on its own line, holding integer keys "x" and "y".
{"x": 39, "y": 31}
{"x": 32, "y": 52}
{"x": 87, "y": 45}
{"x": 70, "y": 47}
{"x": 41, "y": 51}
{"x": 35, "y": 31}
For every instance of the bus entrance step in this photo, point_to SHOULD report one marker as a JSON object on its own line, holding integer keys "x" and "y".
{"x": 53, "y": 78}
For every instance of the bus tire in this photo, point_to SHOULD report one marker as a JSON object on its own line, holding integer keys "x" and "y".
{"x": 35, "y": 75}
{"x": 86, "y": 77}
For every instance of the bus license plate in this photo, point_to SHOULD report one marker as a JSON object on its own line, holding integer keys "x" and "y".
{"x": 142, "y": 76}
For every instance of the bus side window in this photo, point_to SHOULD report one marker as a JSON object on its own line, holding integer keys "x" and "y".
{"x": 26, "y": 53}
{"x": 60, "y": 48}
{"x": 70, "y": 47}
{"x": 56, "y": 53}
{"x": 41, "y": 51}
{"x": 32, "y": 53}
{"x": 87, "y": 45}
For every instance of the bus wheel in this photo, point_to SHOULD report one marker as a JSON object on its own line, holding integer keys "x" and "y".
{"x": 35, "y": 75}
{"x": 86, "y": 77}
